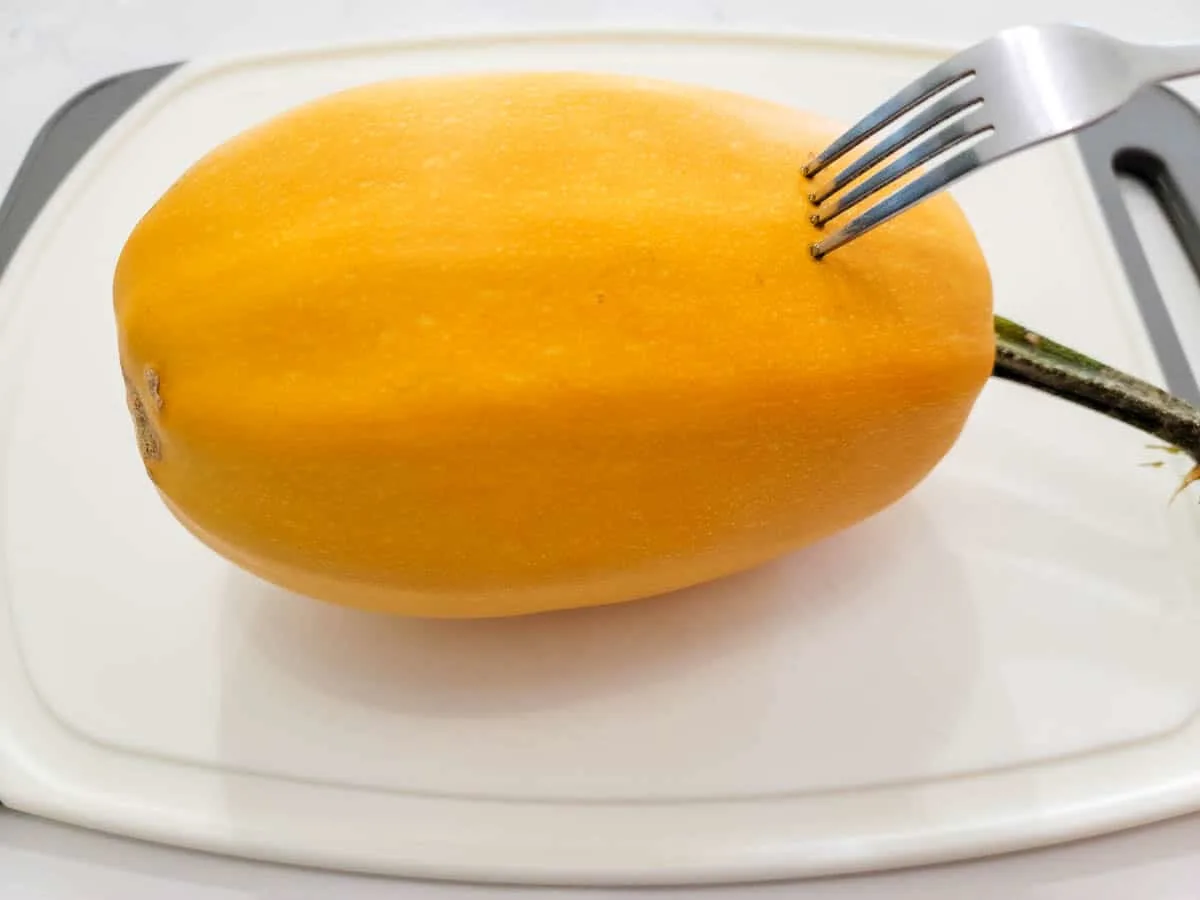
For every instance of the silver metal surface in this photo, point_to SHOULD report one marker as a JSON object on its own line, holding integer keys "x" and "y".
{"x": 1017, "y": 89}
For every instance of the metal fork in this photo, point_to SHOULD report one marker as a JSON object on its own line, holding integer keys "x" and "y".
{"x": 1017, "y": 89}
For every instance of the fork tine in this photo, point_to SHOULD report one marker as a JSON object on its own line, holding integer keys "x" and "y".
{"x": 937, "y": 79}
{"x": 911, "y": 194}
{"x": 948, "y": 137}
{"x": 934, "y": 115}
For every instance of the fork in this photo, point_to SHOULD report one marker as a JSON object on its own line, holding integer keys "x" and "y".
{"x": 1019, "y": 88}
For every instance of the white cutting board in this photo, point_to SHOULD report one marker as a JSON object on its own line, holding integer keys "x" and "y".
{"x": 1007, "y": 657}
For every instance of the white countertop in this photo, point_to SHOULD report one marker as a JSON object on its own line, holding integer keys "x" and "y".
{"x": 49, "y": 49}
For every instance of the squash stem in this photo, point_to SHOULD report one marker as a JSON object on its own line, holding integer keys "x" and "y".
{"x": 1026, "y": 357}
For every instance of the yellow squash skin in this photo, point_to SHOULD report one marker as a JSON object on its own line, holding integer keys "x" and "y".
{"x": 486, "y": 345}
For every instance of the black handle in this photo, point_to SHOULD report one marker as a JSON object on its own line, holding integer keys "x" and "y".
{"x": 1155, "y": 138}
{"x": 63, "y": 140}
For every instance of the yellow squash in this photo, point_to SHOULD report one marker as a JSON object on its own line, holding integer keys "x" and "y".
{"x": 493, "y": 344}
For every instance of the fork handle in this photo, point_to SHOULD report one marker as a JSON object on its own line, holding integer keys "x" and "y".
{"x": 1166, "y": 61}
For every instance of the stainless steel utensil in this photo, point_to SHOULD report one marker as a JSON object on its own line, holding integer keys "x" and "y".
{"x": 1017, "y": 89}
